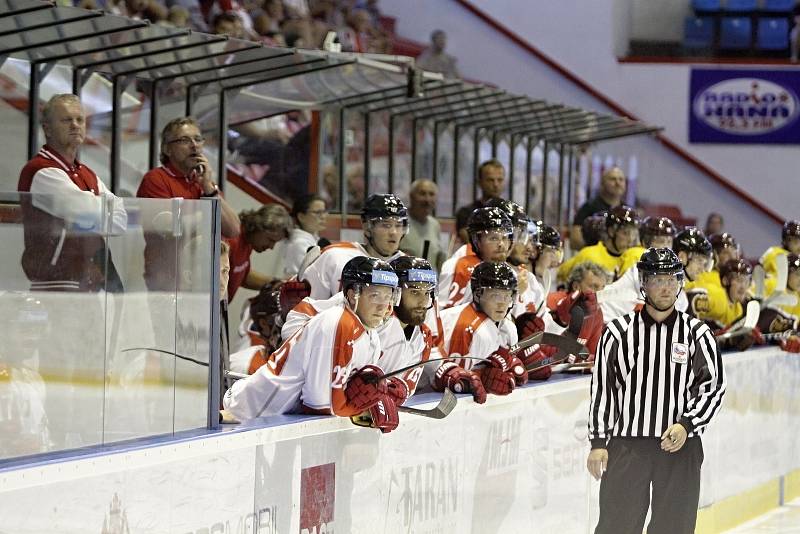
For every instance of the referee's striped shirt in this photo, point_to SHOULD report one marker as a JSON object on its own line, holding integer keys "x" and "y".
{"x": 648, "y": 376}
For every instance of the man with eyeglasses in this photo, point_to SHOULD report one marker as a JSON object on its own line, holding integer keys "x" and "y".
{"x": 491, "y": 235}
{"x": 622, "y": 233}
{"x": 384, "y": 219}
{"x": 482, "y": 328}
{"x": 184, "y": 173}
{"x": 330, "y": 364}
{"x": 657, "y": 383}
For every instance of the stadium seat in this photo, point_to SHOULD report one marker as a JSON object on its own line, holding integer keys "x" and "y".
{"x": 741, "y": 6}
{"x": 778, "y": 6}
{"x": 773, "y": 34}
{"x": 705, "y": 6}
{"x": 735, "y": 33}
{"x": 698, "y": 32}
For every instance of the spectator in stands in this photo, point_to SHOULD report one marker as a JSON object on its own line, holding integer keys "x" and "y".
{"x": 360, "y": 35}
{"x": 63, "y": 213}
{"x": 310, "y": 215}
{"x": 267, "y": 29}
{"x": 261, "y": 230}
{"x": 434, "y": 58}
{"x": 156, "y": 13}
{"x": 612, "y": 193}
{"x": 228, "y": 23}
{"x": 422, "y": 239}
{"x": 178, "y": 17}
{"x": 715, "y": 224}
{"x": 196, "y": 20}
{"x": 491, "y": 180}
{"x": 133, "y": 9}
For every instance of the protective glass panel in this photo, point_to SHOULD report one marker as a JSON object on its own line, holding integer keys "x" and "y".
{"x": 537, "y": 172}
{"x": 520, "y": 167}
{"x": 444, "y": 174}
{"x": 466, "y": 168}
{"x": 401, "y": 183}
{"x": 424, "y": 150}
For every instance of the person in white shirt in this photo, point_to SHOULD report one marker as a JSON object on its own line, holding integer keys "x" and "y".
{"x": 310, "y": 216}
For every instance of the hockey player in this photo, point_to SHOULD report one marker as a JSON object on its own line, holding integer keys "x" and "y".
{"x": 384, "y": 219}
{"x": 622, "y": 232}
{"x": 330, "y": 365}
{"x": 548, "y": 255}
{"x": 721, "y": 306}
{"x": 654, "y": 232}
{"x": 490, "y": 233}
{"x": 481, "y": 328}
{"x": 625, "y": 295}
{"x": 785, "y": 317}
{"x": 262, "y": 332}
{"x": 790, "y": 242}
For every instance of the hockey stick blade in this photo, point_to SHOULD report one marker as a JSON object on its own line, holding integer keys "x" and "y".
{"x": 440, "y": 411}
{"x": 778, "y": 299}
{"x": 529, "y": 341}
{"x": 781, "y": 272}
{"x": 759, "y": 276}
{"x": 752, "y": 312}
{"x": 566, "y": 347}
{"x": 310, "y": 257}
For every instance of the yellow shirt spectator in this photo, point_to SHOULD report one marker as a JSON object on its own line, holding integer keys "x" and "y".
{"x": 597, "y": 254}
{"x": 769, "y": 288}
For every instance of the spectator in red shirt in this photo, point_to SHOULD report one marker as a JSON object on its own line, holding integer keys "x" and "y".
{"x": 261, "y": 230}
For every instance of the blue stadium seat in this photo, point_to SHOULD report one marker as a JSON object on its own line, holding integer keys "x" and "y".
{"x": 706, "y": 5}
{"x": 773, "y": 34}
{"x": 698, "y": 32}
{"x": 741, "y": 6}
{"x": 778, "y": 6}
{"x": 735, "y": 33}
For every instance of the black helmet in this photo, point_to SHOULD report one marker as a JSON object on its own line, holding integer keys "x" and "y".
{"x": 265, "y": 304}
{"x": 411, "y": 269}
{"x": 498, "y": 275}
{"x": 790, "y": 229}
{"x": 692, "y": 241}
{"x": 370, "y": 271}
{"x": 621, "y": 216}
{"x": 524, "y": 226}
{"x": 549, "y": 237}
{"x": 734, "y": 267}
{"x": 659, "y": 261}
{"x": 487, "y": 219}
{"x": 593, "y": 227}
{"x": 379, "y": 206}
{"x": 723, "y": 240}
{"x": 655, "y": 226}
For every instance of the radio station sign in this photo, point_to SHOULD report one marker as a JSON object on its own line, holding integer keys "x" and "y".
{"x": 744, "y": 106}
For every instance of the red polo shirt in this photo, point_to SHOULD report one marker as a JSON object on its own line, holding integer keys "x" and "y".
{"x": 168, "y": 182}
{"x": 239, "y": 256}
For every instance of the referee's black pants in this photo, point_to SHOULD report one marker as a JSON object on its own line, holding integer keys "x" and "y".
{"x": 633, "y": 465}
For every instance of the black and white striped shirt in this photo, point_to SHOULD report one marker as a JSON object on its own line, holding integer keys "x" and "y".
{"x": 648, "y": 376}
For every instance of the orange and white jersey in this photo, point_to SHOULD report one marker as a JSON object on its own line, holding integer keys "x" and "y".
{"x": 469, "y": 332}
{"x": 532, "y": 300}
{"x": 399, "y": 351}
{"x": 309, "y": 370}
{"x": 249, "y": 359}
{"x": 463, "y": 250}
{"x": 454, "y": 281}
{"x": 325, "y": 273}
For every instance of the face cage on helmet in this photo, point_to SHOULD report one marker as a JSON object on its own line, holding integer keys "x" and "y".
{"x": 643, "y": 276}
{"x": 426, "y": 286}
{"x": 558, "y": 251}
{"x": 476, "y": 238}
{"x": 395, "y": 298}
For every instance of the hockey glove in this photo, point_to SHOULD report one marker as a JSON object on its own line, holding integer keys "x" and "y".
{"x": 382, "y": 415}
{"x": 528, "y": 324}
{"x": 791, "y": 344}
{"x": 536, "y": 354}
{"x": 362, "y": 390}
{"x": 459, "y": 380}
{"x": 397, "y": 389}
{"x": 497, "y": 381}
{"x": 504, "y": 360}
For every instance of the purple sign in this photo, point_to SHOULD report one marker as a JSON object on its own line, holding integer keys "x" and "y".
{"x": 744, "y": 106}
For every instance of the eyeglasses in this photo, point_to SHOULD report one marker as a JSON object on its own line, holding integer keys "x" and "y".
{"x": 186, "y": 140}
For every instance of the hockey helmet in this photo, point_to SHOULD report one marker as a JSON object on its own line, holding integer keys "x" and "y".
{"x": 655, "y": 226}
{"x": 488, "y": 219}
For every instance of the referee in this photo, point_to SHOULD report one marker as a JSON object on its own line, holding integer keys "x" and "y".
{"x": 656, "y": 384}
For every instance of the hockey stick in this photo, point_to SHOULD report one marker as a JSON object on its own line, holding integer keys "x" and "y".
{"x": 231, "y": 374}
{"x": 533, "y": 339}
{"x": 373, "y": 379}
{"x": 311, "y": 255}
{"x": 566, "y": 348}
{"x": 779, "y": 336}
{"x": 440, "y": 411}
{"x": 782, "y": 272}
{"x": 778, "y": 299}
{"x": 759, "y": 275}
{"x": 750, "y": 321}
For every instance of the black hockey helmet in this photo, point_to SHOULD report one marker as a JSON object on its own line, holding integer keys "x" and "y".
{"x": 265, "y": 304}
{"x": 524, "y": 226}
{"x": 410, "y": 269}
{"x": 734, "y": 267}
{"x": 383, "y": 205}
{"x": 655, "y": 226}
{"x": 659, "y": 261}
{"x": 723, "y": 240}
{"x": 692, "y": 241}
{"x": 488, "y": 219}
{"x": 621, "y": 215}
{"x": 790, "y": 229}
{"x": 497, "y": 275}
{"x": 593, "y": 228}
{"x": 363, "y": 270}
{"x": 550, "y": 237}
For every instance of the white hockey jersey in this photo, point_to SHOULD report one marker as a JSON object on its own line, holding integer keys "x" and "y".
{"x": 469, "y": 332}
{"x": 309, "y": 370}
{"x": 533, "y": 300}
{"x": 325, "y": 273}
{"x": 624, "y": 296}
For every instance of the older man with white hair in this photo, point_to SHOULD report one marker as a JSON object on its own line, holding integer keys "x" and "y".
{"x": 422, "y": 239}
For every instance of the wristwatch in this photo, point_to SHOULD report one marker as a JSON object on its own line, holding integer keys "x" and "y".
{"x": 214, "y": 193}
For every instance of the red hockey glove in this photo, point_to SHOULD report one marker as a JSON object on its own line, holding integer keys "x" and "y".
{"x": 528, "y": 324}
{"x": 459, "y": 380}
{"x": 362, "y": 391}
{"x": 291, "y": 293}
{"x": 496, "y": 381}
{"x": 397, "y": 389}
{"x": 536, "y": 354}
{"x": 791, "y": 344}
{"x": 564, "y": 307}
{"x": 384, "y": 414}
{"x": 588, "y": 302}
{"x": 509, "y": 363}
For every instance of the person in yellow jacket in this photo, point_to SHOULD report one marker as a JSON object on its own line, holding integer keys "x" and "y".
{"x": 792, "y": 288}
{"x": 725, "y": 248}
{"x": 790, "y": 241}
{"x": 622, "y": 233}
{"x": 654, "y": 232}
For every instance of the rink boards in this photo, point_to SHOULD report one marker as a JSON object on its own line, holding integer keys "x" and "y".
{"x": 515, "y": 464}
